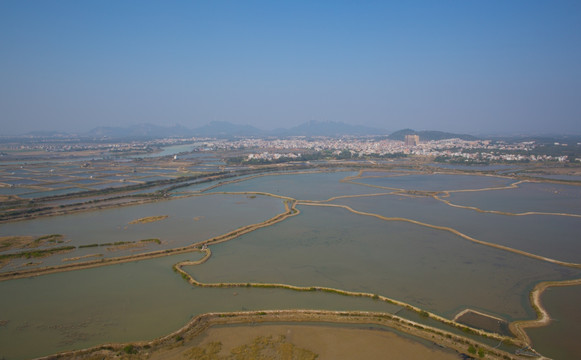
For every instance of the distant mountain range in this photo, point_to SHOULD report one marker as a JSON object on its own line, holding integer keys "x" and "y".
{"x": 221, "y": 129}
{"x": 331, "y": 128}
{"x": 138, "y": 131}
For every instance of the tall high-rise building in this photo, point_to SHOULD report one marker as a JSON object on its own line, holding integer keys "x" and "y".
{"x": 412, "y": 140}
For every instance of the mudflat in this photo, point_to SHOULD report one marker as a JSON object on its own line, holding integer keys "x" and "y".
{"x": 328, "y": 342}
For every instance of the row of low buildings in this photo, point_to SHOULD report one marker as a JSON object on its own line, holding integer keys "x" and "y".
{"x": 478, "y": 150}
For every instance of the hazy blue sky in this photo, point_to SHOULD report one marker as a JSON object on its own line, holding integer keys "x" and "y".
{"x": 466, "y": 65}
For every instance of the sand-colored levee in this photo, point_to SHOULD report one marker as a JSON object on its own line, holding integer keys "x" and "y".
{"x": 327, "y": 342}
{"x": 451, "y": 341}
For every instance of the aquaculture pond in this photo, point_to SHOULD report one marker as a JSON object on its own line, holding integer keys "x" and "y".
{"x": 560, "y": 339}
{"x": 130, "y": 302}
{"x": 552, "y": 236}
{"x": 303, "y": 186}
{"x": 436, "y": 182}
{"x": 540, "y": 197}
{"x": 344, "y": 234}
{"x": 428, "y": 268}
{"x": 100, "y": 233}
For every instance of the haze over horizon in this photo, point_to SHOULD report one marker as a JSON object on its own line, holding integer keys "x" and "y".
{"x": 460, "y": 66}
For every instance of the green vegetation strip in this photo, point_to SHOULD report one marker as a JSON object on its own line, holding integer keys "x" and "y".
{"x": 149, "y": 219}
{"x": 38, "y": 253}
{"x": 118, "y": 243}
{"x": 290, "y": 207}
{"x": 290, "y": 210}
{"x": 469, "y": 330}
{"x": 202, "y": 322}
{"x": 50, "y": 238}
{"x": 23, "y": 242}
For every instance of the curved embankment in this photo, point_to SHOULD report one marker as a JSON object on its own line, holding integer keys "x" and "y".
{"x": 202, "y": 322}
{"x": 188, "y": 277}
{"x": 517, "y": 327}
{"x": 466, "y": 311}
{"x": 351, "y": 179}
{"x": 393, "y": 173}
{"x": 290, "y": 210}
{"x": 79, "y": 208}
{"x": 338, "y": 317}
{"x": 449, "y": 229}
{"x": 497, "y": 212}
{"x": 434, "y": 194}
{"x": 543, "y": 317}
{"x": 433, "y": 334}
{"x": 222, "y": 183}
{"x": 111, "y": 203}
{"x": 345, "y": 197}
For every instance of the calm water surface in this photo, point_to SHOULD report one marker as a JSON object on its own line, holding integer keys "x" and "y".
{"x": 473, "y": 167}
{"x": 560, "y": 340}
{"x": 556, "y": 237}
{"x": 437, "y": 182}
{"x": 316, "y": 186}
{"x": 129, "y": 302}
{"x": 429, "y": 268}
{"x": 190, "y": 220}
{"x": 322, "y": 246}
{"x": 527, "y": 197}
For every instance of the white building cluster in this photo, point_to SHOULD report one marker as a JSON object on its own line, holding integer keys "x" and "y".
{"x": 478, "y": 150}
